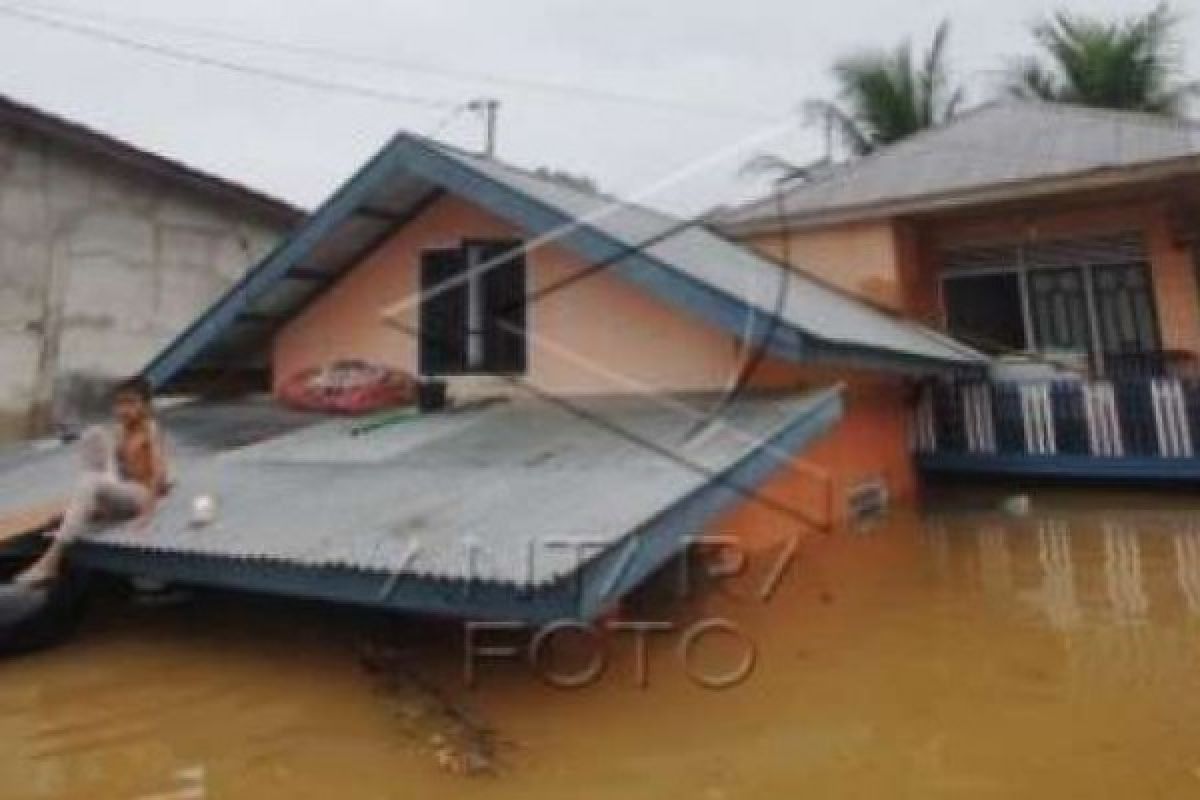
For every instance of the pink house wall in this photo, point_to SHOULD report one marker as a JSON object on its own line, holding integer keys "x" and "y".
{"x": 599, "y": 336}
{"x": 864, "y": 258}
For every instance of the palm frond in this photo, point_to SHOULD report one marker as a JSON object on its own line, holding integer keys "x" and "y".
{"x": 1131, "y": 64}
{"x": 887, "y": 95}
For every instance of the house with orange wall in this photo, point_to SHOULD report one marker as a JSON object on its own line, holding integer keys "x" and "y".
{"x": 619, "y": 382}
{"x": 600, "y": 313}
{"x": 1061, "y": 240}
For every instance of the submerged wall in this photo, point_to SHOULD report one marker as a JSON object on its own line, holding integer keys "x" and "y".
{"x": 100, "y": 266}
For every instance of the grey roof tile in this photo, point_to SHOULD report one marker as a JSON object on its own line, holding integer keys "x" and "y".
{"x": 1010, "y": 142}
{"x": 474, "y": 493}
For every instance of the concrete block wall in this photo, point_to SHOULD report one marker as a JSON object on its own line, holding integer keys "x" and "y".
{"x": 100, "y": 266}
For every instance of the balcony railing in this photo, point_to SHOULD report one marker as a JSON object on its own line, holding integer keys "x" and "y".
{"x": 1124, "y": 426}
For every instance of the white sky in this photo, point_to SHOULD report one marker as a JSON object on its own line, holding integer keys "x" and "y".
{"x": 758, "y": 58}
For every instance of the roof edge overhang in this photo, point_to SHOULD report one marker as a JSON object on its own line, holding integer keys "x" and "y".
{"x": 286, "y": 255}
{"x": 752, "y": 326}
{"x": 81, "y": 137}
{"x": 410, "y": 155}
{"x": 1092, "y": 180}
{"x": 583, "y": 595}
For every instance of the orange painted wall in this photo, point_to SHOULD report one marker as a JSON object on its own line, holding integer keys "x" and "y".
{"x": 598, "y": 336}
{"x": 870, "y": 444}
{"x": 862, "y": 258}
{"x": 895, "y": 262}
{"x": 602, "y": 336}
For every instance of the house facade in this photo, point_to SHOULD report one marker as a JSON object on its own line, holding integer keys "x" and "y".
{"x": 445, "y": 265}
{"x": 1062, "y": 240}
{"x": 106, "y": 250}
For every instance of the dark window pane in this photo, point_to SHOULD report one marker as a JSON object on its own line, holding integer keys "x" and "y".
{"x": 1125, "y": 309}
{"x": 504, "y": 302}
{"x": 1058, "y": 304}
{"x": 443, "y": 322}
{"x": 985, "y": 310}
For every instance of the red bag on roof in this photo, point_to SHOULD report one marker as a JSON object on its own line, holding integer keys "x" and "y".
{"x": 349, "y": 387}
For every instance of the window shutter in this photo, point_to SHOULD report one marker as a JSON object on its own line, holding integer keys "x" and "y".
{"x": 504, "y": 308}
{"x": 443, "y": 322}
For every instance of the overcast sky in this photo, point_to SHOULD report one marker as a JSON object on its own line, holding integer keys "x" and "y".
{"x": 741, "y": 65}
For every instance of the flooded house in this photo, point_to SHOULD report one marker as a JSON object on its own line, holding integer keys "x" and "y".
{"x": 106, "y": 250}
{"x": 1060, "y": 239}
{"x": 620, "y": 382}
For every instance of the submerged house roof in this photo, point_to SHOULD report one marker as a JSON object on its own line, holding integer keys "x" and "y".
{"x": 684, "y": 264}
{"x": 531, "y": 511}
{"x": 89, "y": 140}
{"x": 1001, "y": 151}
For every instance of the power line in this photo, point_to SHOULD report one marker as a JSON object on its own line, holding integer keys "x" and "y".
{"x": 185, "y": 56}
{"x": 568, "y": 90}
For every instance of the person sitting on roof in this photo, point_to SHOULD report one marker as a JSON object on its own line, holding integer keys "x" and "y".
{"x": 125, "y": 481}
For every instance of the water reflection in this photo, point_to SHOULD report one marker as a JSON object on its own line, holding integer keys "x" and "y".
{"x": 1186, "y": 545}
{"x": 1059, "y": 599}
{"x": 1123, "y": 573}
{"x": 1071, "y": 632}
{"x": 995, "y": 562}
{"x": 1086, "y": 570}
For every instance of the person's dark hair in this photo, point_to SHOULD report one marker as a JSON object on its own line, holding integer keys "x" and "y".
{"x": 136, "y": 386}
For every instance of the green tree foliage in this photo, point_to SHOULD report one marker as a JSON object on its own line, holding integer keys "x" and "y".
{"x": 1131, "y": 64}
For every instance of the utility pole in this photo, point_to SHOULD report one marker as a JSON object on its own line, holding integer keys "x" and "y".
{"x": 489, "y": 107}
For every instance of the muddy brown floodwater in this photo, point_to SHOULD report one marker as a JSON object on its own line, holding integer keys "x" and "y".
{"x": 957, "y": 653}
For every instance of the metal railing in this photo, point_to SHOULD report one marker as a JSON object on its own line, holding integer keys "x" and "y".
{"x": 1152, "y": 416}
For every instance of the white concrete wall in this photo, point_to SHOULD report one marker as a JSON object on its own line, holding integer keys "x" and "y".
{"x": 100, "y": 266}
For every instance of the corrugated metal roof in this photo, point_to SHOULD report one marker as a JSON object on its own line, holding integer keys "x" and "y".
{"x": 807, "y": 305}
{"x": 1005, "y": 143}
{"x": 517, "y": 493}
{"x": 692, "y": 268}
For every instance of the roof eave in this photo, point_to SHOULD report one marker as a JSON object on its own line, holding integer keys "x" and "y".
{"x": 266, "y": 207}
{"x": 1092, "y": 180}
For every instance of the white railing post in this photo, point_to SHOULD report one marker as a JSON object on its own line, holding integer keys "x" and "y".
{"x": 1038, "y": 416}
{"x": 1170, "y": 418}
{"x": 978, "y": 419}
{"x": 1103, "y": 422}
{"x": 925, "y": 424}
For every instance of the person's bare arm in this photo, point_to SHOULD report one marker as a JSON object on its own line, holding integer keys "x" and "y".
{"x": 157, "y": 478}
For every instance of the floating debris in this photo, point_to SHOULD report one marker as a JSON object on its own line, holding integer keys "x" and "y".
{"x": 1018, "y": 505}
{"x": 460, "y": 743}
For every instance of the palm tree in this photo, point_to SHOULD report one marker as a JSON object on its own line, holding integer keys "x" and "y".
{"x": 1131, "y": 64}
{"x": 886, "y": 96}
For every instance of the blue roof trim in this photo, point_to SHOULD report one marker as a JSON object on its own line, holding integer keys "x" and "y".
{"x": 288, "y": 254}
{"x": 595, "y": 587}
{"x": 1065, "y": 467}
{"x": 420, "y": 159}
{"x": 628, "y": 564}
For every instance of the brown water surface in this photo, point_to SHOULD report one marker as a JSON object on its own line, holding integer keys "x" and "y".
{"x": 960, "y": 653}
